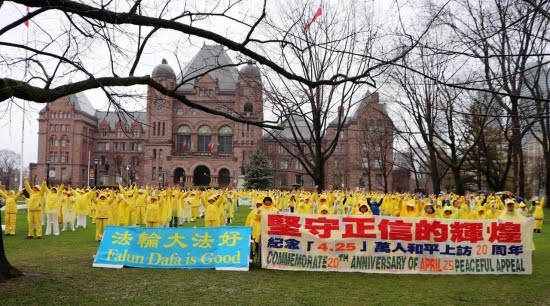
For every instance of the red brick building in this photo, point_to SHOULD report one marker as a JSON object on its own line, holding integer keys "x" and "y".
{"x": 168, "y": 144}
{"x": 363, "y": 157}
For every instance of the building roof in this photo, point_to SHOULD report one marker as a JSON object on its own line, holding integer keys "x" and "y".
{"x": 250, "y": 71}
{"x": 163, "y": 70}
{"x": 126, "y": 117}
{"x": 205, "y": 62}
{"x": 300, "y": 127}
{"x": 368, "y": 98}
{"x": 81, "y": 104}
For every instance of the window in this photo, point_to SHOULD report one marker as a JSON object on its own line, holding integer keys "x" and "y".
{"x": 133, "y": 146}
{"x": 183, "y": 143}
{"x": 52, "y": 173}
{"x": 139, "y": 147}
{"x": 120, "y": 133}
{"x": 57, "y": 127}
{"x": 248, "y": 108}
{"x": 204, "y": 138}
{"x": 337, "y": 163}
{"x": 53, "y": 141}
{"x": 135, "y": 161}
{"x": 377, "y": 148}
{"x": 115, "y": 146}
{"x": 163, "y": 128}
{"x": 365, "y": 162}
{"x": 154, "y": 128}
{"x": 63, "y": 128}
{"x": 298, "y": 165}
{"x": 284, "y": 164}
{"x": 192, "y": 111}
{"x": 137, "y": 133}
{"x": 154, "y": 174}
{"x": 52, "y": 128}
{"x": 63, "y": 174}
{"x": 161, "y": 155}
{"x": 378, "y": 163}
{"x": 281, "y": 149}
{"x": 102, "y": 160}
{"x": 283, "y": 181}
{"x": 123, "y": 146}
{"x": 68, "y": 128}
{"x": 378, "y": 179}
{"x": 339, "y": 148}
{"x": 107, "y": 146}
{"x": 100, "y": 146}
{"x": 64, "y": 141}
{"x": 104, "y": 132}
{"x": 65, "y": 157}
{"x": 225, "y": 139}
{"x": 154, "y": 153}
{"x": 179, "y": 111}
{"x": 298, "y": 180}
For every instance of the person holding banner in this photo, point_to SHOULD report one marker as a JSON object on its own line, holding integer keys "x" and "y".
{"x": 511, "y": 213}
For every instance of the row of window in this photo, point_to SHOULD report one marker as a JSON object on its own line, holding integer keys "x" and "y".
{"x": 134, "y": 161}
{"x": 54, "y": 142}
{"x": 298, "y": 180}
{"x": 157, "y": 131}
{"x": 60, "y": 128}
{"x": 120, "y": 146}
{"x": 53, "y": 174}
{"x": 284, "y": 164}
{"x": 60, "y": 115}
{"x": 120, "y": 133}
{"x": 63, "y": 157}
{"x": 160, "y": 173}
{"x": 224, "y": 144}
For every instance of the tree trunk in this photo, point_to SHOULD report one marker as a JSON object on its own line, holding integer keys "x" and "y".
{"x": 459, "y": 184}
{"x": 7, "y": 271}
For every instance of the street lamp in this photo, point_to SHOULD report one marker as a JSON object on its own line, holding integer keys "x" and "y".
{"x": 48, "y": 172}
{"x": 128, "y": 175}
{"x": 96, "y": 162}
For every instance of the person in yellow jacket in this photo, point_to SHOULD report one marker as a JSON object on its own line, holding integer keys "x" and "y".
{"x": 141, "y": 203}
{"x": 195, "y": 200}
{"x": 11, "y": 210}
{"x": 363, "y": 210}
{"x": 152, "y": 214}
{"x": 69, "y": 211}
{"x": 538, "y": 214}
{"x": 103, "y": 202}
{"x": 428, "y": 211}
{"x": 254, "y": 220}
{"x": 212, "y": 207}
{"x": 34, "y": 209}
{"x": 82, "y": 200}
{"x": 482, "y": 213}
{"x": 53, "y": 199}
{"x": 511, "y": 213}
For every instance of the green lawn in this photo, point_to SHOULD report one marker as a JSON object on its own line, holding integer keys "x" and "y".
{"x": 59, "y": 270}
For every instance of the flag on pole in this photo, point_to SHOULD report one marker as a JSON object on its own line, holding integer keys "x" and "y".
{"x": 26, "y": 22}
{"x": 211, "y": 145}
{"x": 315, "y": 16}
{"x": 185, "y": 146}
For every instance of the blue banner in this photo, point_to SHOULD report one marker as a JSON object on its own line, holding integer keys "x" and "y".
{"x": 221, "y": 248}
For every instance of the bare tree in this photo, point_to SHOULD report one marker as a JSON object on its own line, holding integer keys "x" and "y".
{"x": 502, "y": 36}
{"x": 9, "y": 167}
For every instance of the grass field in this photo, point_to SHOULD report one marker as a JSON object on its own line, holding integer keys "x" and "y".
{"x": 59, "y": 271}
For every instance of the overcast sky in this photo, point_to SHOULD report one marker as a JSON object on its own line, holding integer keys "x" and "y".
{"x": 162, "y": 47}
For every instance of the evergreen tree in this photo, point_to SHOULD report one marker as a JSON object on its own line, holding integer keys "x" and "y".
{"x": 258, "y": 173}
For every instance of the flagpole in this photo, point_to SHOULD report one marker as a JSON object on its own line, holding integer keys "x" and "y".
{"x": 89, "y": 153}
{"x": 23, "y": 117}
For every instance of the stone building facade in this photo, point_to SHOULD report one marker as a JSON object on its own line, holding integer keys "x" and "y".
{"x": 363, "y": 157}
{"x": 169, "y": 143}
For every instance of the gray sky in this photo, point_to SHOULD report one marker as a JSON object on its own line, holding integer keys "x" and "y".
{"x": 162, "y": 46}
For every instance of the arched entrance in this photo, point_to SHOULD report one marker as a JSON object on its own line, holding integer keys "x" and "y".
{"x": 179, "y": 177}
{"x": 201, "y": 176}
{"x": 224, "y": 178}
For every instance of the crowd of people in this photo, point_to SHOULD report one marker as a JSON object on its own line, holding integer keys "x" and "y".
{"x": 133, "y": 206}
